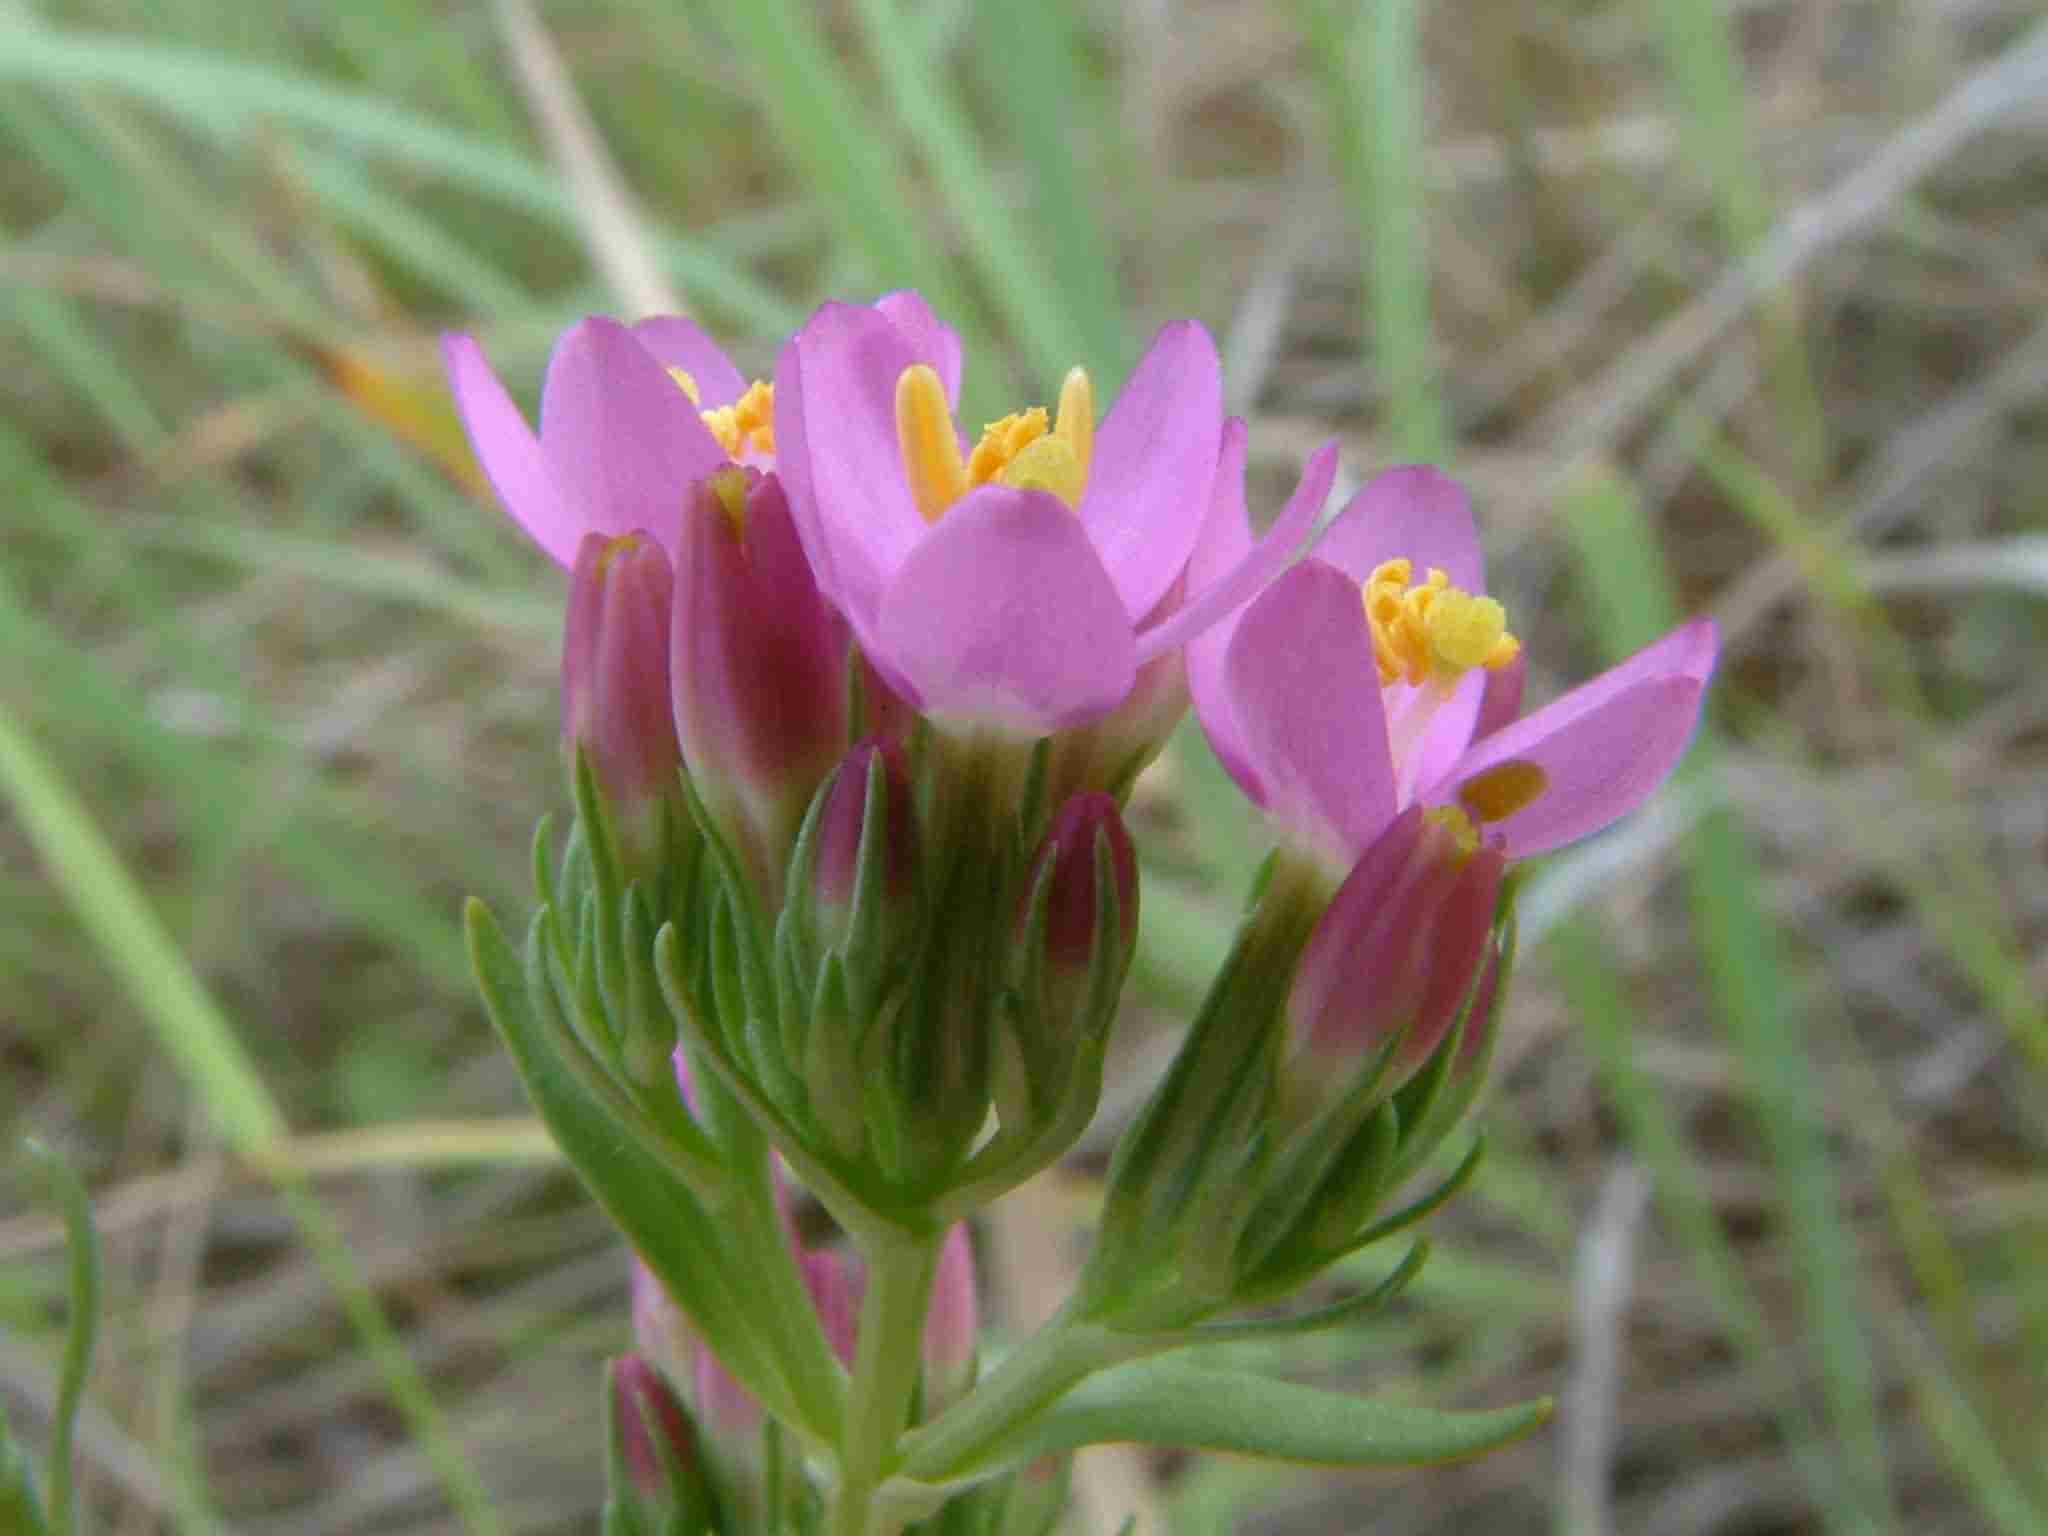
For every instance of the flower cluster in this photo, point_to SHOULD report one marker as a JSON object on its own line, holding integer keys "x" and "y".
{"x": 852, "y": 701}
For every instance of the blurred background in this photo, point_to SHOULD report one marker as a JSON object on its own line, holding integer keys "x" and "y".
{"x": 1735, "y": 307}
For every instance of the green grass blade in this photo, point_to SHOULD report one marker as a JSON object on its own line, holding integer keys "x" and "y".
{"x": 1009, "y": 261}
{"x": 1617, "y": 554}
{"x": 195, "y": 1034}
{"x": 1369, "y": 61}
{"x": 63, "y": 1189}
{"x": 842, "y": 152}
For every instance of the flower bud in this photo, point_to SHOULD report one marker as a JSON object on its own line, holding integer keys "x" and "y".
{"x": 758, "y": 666}
{"x": 872, "y": 766}
{"x": 615, "y": 689}
{"x": 952, "y": 1325}
{"x": 1087, "y": 828}
{"x": 1393, "y": 957}
{"x": 654, "y": 1446}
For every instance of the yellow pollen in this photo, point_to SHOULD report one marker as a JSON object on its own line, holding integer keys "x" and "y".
{"x": 1503, "y": 789}
{"x": 1429, "y": 631}
{"x": 1025, "y": 449}
{"x": 749, "y": 422}
{"x": 1454, "y": 822}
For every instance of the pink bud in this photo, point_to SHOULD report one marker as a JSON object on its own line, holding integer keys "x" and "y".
{"x": 758, "y": 660}
{"x": 952, "y": 1326}
{"x": 660, "y": 1331}
{"x": 841, "y": 821}
{"x": 615, "y": 686}
{"x": 644, "y": 1407}
{"x": 1070, "y": 911}
{"x": 1396, "y": 951}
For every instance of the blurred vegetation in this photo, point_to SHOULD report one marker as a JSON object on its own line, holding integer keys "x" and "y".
{"x": 1734, "y": 308}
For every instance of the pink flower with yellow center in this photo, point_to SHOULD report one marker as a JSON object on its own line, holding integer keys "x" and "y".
{"x": 1378, "y": 675}
{"x": 1019, "y": 581}
{"x": 630, "y": 417}
{"x": 1368, "y": 700}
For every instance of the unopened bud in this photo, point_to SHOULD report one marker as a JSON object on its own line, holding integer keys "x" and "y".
{"x": 660, "y": 1331}
{"x": 758, "y": 663}
{"x": 615, "y": 689}
{"x": 1082, "y": 909}
{"x": 654, "y": 1445}
{"x": 952, "y": 1325}
{"x": 1394, "y": 957}
{"x": 866, "y": 829}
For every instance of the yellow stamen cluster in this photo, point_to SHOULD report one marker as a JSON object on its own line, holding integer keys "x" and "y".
{"x": 1023, "y": 449}
{"x": 749, "y": 422}
{"x": 1429, "y": 631}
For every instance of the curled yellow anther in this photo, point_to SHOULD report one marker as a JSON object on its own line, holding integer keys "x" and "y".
{"x": 1430, "y": 631}
{"x": 749, "y": 422}
{"x": 1001, "y": 442}
{"x": 688, "y": 384}
{"x": 930, "y": 446}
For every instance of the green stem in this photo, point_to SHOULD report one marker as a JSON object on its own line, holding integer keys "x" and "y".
{"x": 885, "y": 1370}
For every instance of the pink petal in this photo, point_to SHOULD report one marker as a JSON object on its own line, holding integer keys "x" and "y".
{"x": 1004, "y": 616}
{"x": 930, "y": 339}
{"x": 1240, "y": 583}
{"x": 1225, "y": 542}
{"x": 1450, "y": 729}
{"x": 1414, "y": 512}
{"x": 508, "y": 451}
{"x": 679, "y": 343}
{"x": 1501, "y": 704}
{"x": 1154, "y": 460}
{"x": 836, "y": 450}
{"x": 621, "y": 441}
{"x": 1307, "y": 691}
{"x": 1603, "y": 747}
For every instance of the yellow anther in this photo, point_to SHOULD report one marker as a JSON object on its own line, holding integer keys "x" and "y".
{"x": 1430, "y": 631}
{"x": 1001, "y": 442}
{"x": 1458, "y": 826}
{"x": 1503, "y": 789}
{"x": 1025, "y": 449}
{"x": 684, "y": 379}
{"x": 1075, "y": 425}
{"x": 930, "y": 446}
{"x": 749, "y": 422}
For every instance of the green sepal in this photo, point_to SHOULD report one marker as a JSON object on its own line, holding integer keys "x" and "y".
{"x": 660, "y": 1214}
{"x": 1336, "y": 1315}
{"x": 1170, "y": 1402}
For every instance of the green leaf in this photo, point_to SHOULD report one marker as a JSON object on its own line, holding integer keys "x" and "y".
{"x": 660, "y": 1215}
{"x": 1167, "y": 1402}
{"x": 62, "y": 1188}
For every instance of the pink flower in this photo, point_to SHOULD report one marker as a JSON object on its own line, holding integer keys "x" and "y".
{"x": 615, "y": 687}
{"x": 1335, "y": 719}
{"x": 629, "y": 417}
{"x": 1020, "y": 583}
